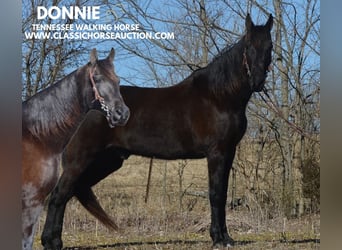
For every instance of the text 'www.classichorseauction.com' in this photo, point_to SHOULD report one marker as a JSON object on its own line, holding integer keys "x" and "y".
{"x": 82, "y": 31}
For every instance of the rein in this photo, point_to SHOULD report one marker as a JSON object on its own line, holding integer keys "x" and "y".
{"x": 98, "y": 97}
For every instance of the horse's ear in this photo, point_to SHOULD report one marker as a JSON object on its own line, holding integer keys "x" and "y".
{"x": 269, "y": 23}
{"x": 111, "y": 55}
{"x": 249, "y": 26}
{"x": 93, "y": 57}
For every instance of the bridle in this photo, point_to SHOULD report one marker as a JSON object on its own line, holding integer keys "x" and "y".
{"x": 97, "y": 95}
{"x": 248, "y": 69}
{"x": 245, "y": 62}
{"x": 96, "y": 92}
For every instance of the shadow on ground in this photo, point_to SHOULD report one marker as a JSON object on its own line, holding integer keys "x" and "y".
{"x": 184, "y": 243}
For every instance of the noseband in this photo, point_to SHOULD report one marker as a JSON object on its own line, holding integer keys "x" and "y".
{"x": 98, "y": 97}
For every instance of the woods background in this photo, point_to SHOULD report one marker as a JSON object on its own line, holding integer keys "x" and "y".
{"x": 276, "y": 169}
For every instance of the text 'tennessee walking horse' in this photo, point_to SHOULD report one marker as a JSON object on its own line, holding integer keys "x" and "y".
{"x": 202, "y": 116}
{"x": 49, "y": 119}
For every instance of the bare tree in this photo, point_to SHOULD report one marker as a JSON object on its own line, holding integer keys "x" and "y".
{"x": 284, "y": 121}
{"x": 284, "y": 126}
{"x": 47, "y": 60}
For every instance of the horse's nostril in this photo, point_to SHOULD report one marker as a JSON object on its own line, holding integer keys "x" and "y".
{"x": 118, "y": 112}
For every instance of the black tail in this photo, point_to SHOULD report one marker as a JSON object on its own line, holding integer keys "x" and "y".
{"x": 89, "y": 201}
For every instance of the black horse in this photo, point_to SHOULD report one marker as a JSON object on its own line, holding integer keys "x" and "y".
{"x": 202, "y": 116}
{"x": 49, "y": 119}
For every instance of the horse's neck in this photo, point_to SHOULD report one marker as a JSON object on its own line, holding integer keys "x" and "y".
{"x": 226, "y": 81}
{"x": 52, "y": 115}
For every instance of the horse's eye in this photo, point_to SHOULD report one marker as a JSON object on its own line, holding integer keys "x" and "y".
{"x": 252, "y": 51}
{"x": 97, "y": 78}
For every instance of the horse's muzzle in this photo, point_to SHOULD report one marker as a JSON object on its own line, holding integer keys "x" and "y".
{"x": 119, "y": 116}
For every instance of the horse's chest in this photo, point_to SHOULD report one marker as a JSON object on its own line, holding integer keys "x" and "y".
{"x": 232, "y": 128}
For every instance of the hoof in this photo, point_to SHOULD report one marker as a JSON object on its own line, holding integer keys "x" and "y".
{"x": 53, "y": 245}
{"x": 223, "y": 247}
{"x": 227, "y": 244}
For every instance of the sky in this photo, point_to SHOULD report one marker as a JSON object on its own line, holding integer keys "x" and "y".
{"x": 134, "y": 70}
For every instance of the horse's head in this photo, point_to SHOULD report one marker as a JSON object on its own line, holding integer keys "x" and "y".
{"x": 258, "y": 52}
{"x": 105, "y": 91}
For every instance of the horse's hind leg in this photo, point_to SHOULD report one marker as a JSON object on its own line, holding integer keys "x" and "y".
{"x": 58, "y": 200}
{"x": 105, "y": 163}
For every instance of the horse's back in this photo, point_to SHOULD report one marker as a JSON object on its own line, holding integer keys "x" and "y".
{"x": 169, "y": 123}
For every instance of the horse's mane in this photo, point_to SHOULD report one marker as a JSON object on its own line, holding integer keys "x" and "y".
{"x": 220, "y": 74}
{"x": 51, "y": 112}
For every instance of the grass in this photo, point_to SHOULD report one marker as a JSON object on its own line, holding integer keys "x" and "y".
{"x": 174, "y": 216}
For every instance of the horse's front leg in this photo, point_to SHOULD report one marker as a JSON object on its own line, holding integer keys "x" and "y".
{"x": 74, "y": 166}
{"x": 51, "y": 236}
{"x": 219, "y": 165}
{"x": 87, "y": 141}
